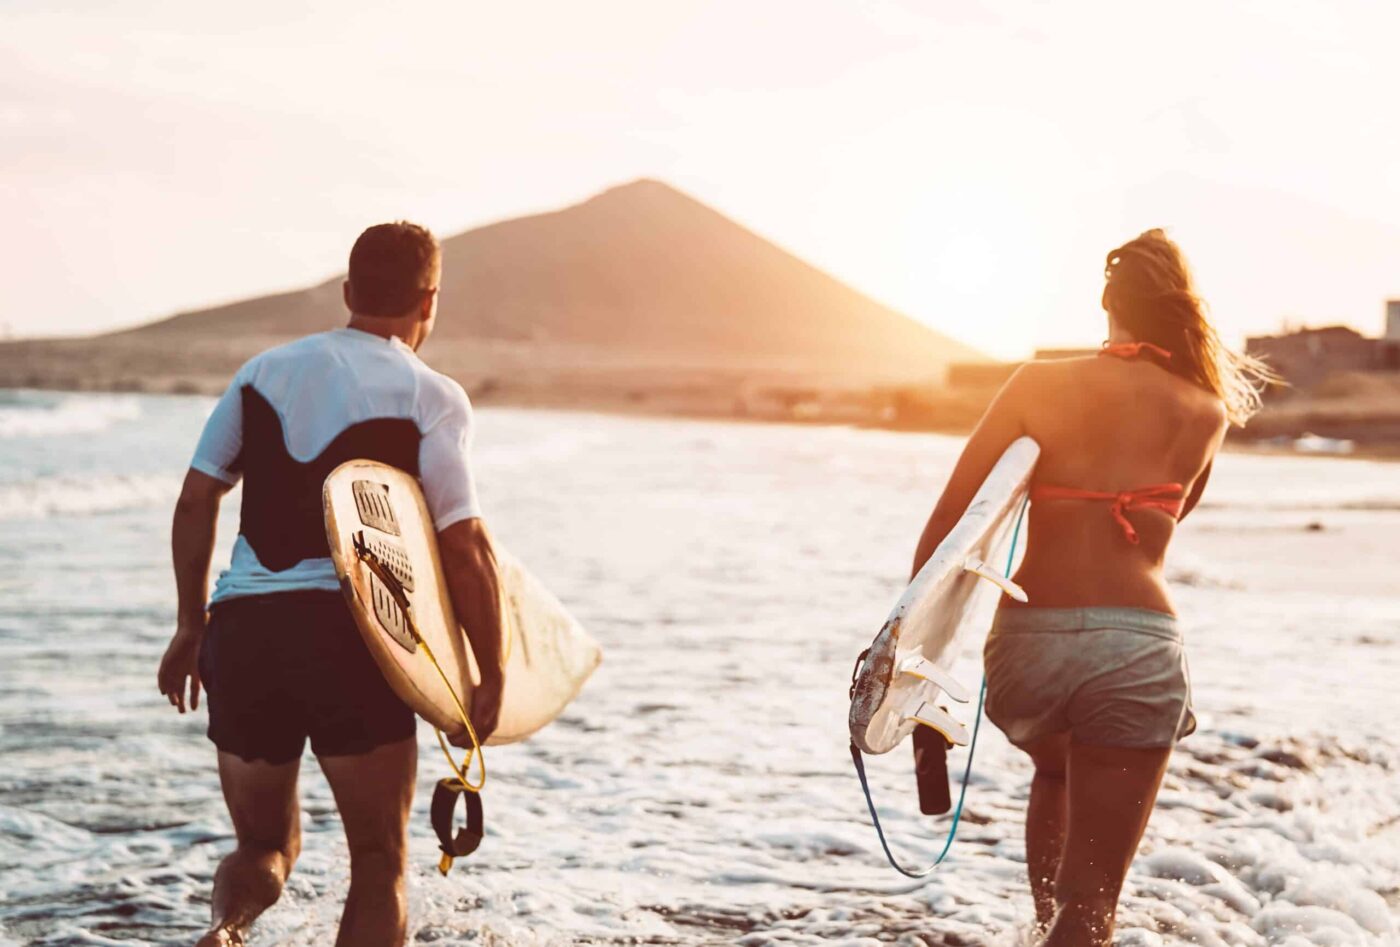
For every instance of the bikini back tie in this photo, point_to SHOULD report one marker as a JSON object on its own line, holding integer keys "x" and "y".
{"x": 1167, "y": 497}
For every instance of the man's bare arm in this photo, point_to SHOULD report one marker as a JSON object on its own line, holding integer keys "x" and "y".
{"x": 469, "y": 562}
{"x": 192, "y": 534}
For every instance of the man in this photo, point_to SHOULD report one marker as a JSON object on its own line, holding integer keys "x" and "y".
{"x": 276, "y": 650}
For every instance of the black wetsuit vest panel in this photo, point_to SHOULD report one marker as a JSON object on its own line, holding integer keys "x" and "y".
{"x": 282, "y": 518}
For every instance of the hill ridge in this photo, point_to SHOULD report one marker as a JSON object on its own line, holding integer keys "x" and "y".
{"x": 638, "y": 267}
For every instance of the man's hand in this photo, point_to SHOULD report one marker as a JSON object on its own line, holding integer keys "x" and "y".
{"x": 181, "y": 665}
{"x": 485, "y": 710}
{"x": 191, "y": 546}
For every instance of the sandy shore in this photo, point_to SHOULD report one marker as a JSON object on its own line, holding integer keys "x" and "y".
{"x": 664, "y": 384}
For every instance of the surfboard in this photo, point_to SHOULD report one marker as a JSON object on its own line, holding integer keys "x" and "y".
{"x": 385, "y": 552}
{"x": 906, "y": 679}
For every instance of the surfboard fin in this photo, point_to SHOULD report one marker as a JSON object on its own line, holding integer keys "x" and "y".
{"x": 980, "y": 569}
{"x": 929, "y": 715}
{"x": 916, "y": 665}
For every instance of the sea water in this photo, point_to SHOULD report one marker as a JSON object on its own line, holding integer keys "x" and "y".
{"x": 699, "y": 791}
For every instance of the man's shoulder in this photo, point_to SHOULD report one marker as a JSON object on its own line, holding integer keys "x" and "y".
{"x": 314, "y": 343}
{"x": 439, "y": 398}
{"x": 439, "y": 390}
{"x": 295, "y": 349}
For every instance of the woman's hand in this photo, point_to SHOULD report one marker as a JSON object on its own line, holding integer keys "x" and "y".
{"x": 180, "y": 665}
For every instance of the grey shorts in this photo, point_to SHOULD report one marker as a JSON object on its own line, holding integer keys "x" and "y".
{"x": 1107, "y": 676}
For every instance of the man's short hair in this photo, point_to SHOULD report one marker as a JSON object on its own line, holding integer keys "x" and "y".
{"x": 391, "y": 266}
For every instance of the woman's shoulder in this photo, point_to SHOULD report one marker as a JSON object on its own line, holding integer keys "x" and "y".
{"x": 1041, "y": 373}
{"x": 1048, "y": 382}
{"x": 1034, "y": 382}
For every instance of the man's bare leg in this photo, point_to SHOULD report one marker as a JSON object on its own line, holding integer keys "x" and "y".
{"x": 374, "y": 792}
{"x": 262, "y": 801}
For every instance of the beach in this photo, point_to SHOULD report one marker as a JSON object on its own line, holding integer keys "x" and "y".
{"x": 699, "y": 791}
{"x": 1362, "y": 408}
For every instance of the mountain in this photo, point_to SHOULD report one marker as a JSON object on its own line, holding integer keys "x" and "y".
{"x": 640, "y": 272}
{"x": 639, "y": 299}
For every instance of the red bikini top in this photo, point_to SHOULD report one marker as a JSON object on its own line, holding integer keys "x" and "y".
{"x": 1167, "y": 497}
{"x": 1134, "y": 349}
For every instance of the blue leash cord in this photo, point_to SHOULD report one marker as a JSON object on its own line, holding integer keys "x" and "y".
{"x": 967, "y": 770}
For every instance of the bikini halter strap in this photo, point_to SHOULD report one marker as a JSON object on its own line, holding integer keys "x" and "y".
{"x": 1134, "y": 350}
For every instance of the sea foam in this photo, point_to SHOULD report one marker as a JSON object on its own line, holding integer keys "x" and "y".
{"x": 37, "y": 414}
{"x": 84, "y": 496}
{"x": 699, "y": 790}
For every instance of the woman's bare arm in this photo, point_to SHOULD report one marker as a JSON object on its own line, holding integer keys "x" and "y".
{"x": 1003, "y": 422}
{"x": 1197, "y": 489}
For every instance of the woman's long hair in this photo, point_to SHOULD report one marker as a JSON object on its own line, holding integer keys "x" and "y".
{"x": 1149, "y": 292}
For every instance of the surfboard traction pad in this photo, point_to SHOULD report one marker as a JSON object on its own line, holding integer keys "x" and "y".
{"x": 525, "y": 600}
{"x": 387, "y": 610}
{"x": 877, "y": 674}
{"x": 372, "y": 503}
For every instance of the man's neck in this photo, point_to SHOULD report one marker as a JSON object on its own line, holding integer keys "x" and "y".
{"x": 385, "y": 328}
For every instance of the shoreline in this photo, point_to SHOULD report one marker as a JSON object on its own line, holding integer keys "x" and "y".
{"x": 657, "y": 404}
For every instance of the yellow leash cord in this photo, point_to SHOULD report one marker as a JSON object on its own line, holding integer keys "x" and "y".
{"x": 475, "y": 750}
{"x": 461, "y": 781}
{"x": 396, "y": 590}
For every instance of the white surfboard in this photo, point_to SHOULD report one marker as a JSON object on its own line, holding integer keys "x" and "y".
{"x": 906, "y": 679}
{"x": 385, "y": 552}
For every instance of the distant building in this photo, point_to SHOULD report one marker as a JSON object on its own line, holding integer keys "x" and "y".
{"x": 1307, "y": 356}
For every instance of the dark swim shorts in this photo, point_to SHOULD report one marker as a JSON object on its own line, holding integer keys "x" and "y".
{"x": 280, "y": 668}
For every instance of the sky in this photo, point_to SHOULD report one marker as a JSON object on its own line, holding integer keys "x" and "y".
{"x": 966, "y": 163}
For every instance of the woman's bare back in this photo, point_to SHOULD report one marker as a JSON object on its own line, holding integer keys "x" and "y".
{"x": 1111, "y": 425}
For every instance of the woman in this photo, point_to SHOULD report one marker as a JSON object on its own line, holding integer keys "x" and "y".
{"x": 1090, "y": 678}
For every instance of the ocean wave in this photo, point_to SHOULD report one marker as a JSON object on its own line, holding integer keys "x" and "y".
{"x": 83, "y": 496}
{"x": 25, "y": 414}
